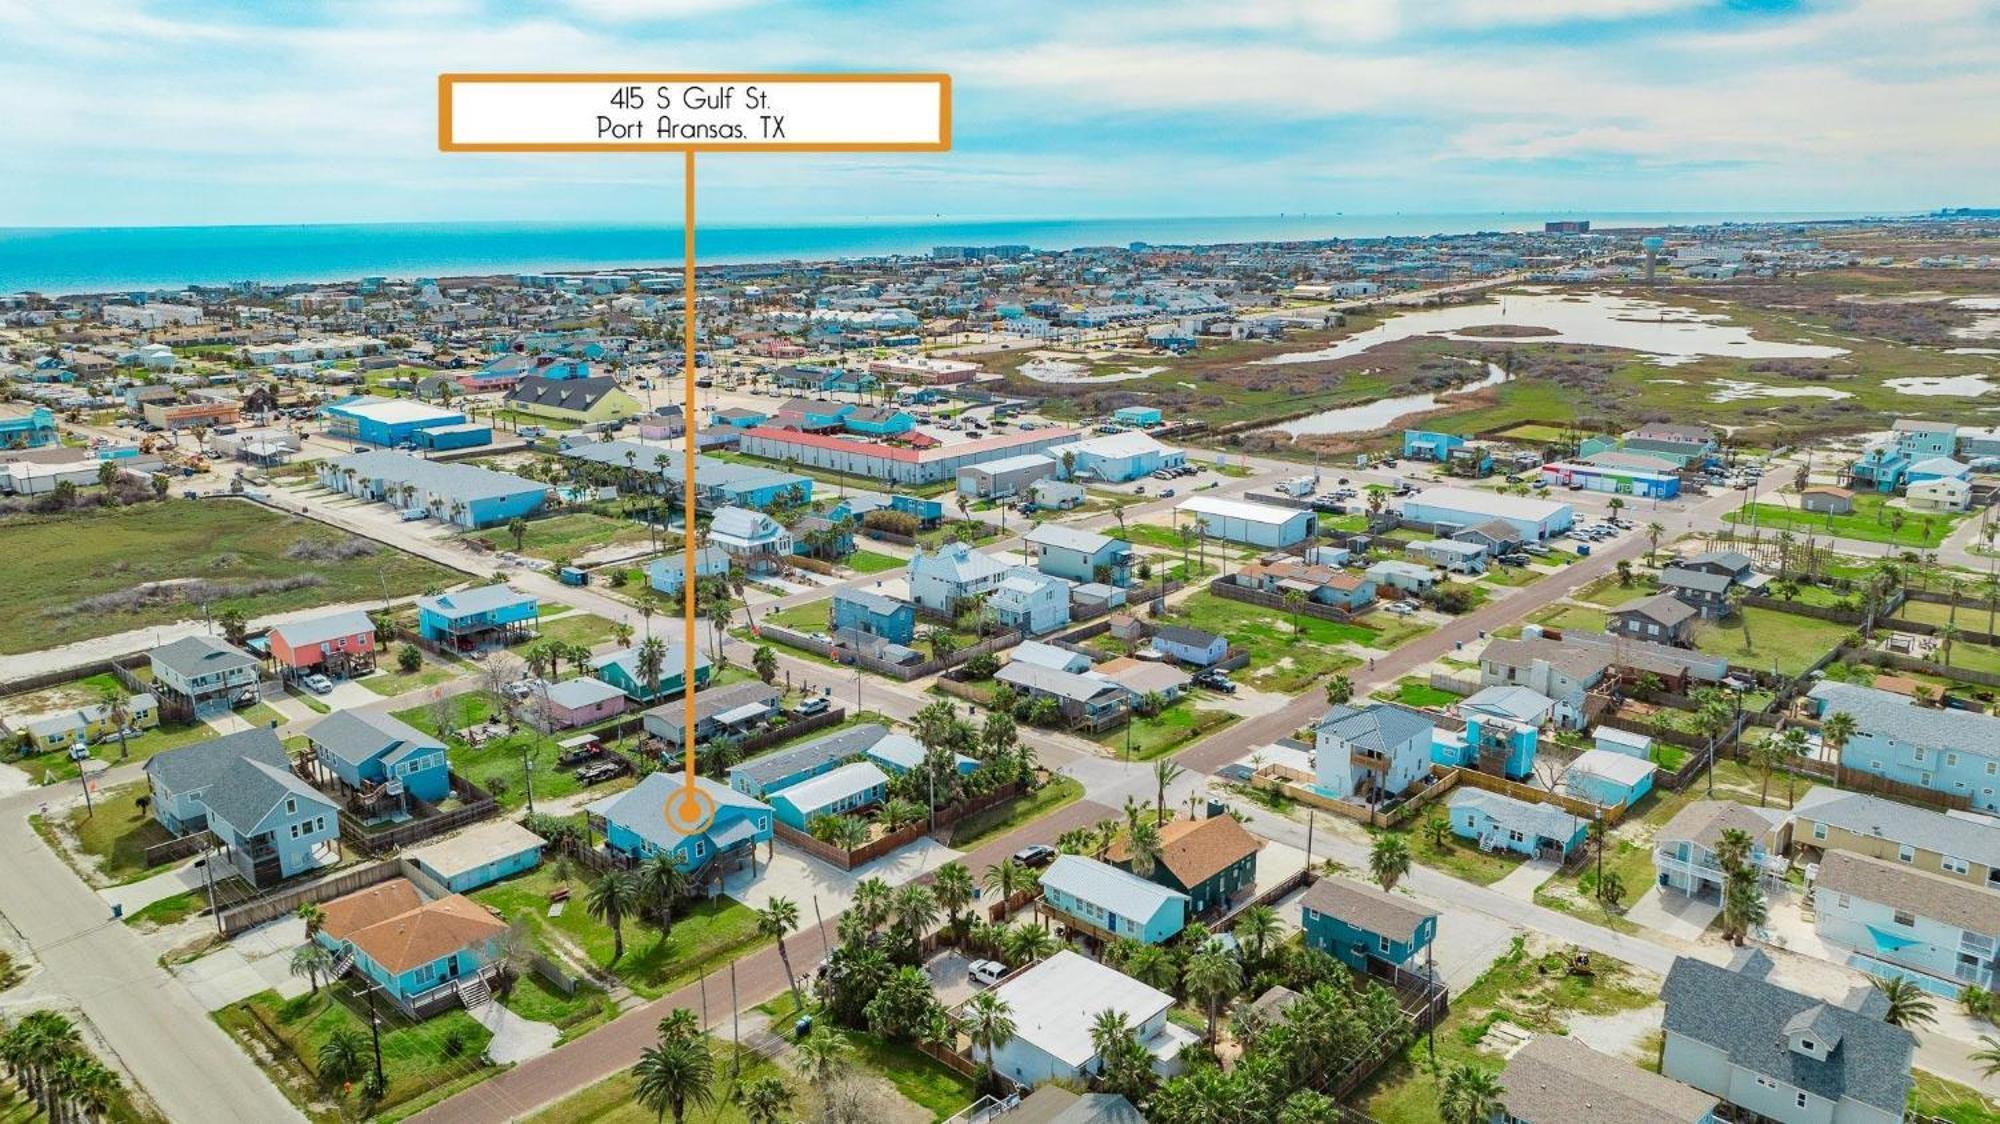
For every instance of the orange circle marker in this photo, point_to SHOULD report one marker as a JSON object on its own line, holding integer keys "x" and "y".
{"x": 690, "y": 810}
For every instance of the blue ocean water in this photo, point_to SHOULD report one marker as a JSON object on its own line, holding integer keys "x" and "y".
{"x": 59, "y": 260}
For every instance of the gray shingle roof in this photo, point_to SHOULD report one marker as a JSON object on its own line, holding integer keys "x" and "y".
{"x": 837, "y": 746}
{"x": 564, "y": 394}
{"x": 714, "y": 701}
{"x": 1744, "y": 1016}
{"x": 1664, "y": 608}
{"x": 194, "y": 656}
{"x": 194, "y": 767}
{"x": 1365, "y": 907}
{"x": 1701, "y": 581}
{"x": 1557, "y": 1079}
{"x": 319, "y": 630}
{"x": 1957, "y": 904}
{"x": 1377, "y": 726}
{"x": 1972, "y": 837}
{"x": 356, "y": 736}
{"x": 1892, "y": 715}
{"x": 248, "y": 791}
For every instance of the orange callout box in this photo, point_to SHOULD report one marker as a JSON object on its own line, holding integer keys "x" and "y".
{"x": 694, "y": 112}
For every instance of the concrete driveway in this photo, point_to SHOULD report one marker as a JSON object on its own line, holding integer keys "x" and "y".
{"x": 806, "y": 881}
{"x": 515, "y": 1039}
{"x": 258, "y": 960}
{"x": 1523, "y": 881}
{"x": 1673, "y": 913}
{"x": 135, "y": 896}
{"x": 348, "y": 695}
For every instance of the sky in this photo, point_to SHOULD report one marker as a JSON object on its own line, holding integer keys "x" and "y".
{"x": 165, "y": 112}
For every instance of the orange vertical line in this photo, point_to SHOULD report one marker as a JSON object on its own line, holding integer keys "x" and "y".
{"x": 687, "y": 484}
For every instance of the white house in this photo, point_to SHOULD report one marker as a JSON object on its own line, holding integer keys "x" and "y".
{"x": 1030, "y": 602}
{"x": 943, "y": 580}
{"x": 1053, "y": 1005}
{"x": 1372, "y": 752}
{"x": 1254, "y": 524}
{"x": 752, "y": 539}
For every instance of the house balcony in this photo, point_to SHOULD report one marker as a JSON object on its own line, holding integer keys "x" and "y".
{"x": 1370, "y": 760}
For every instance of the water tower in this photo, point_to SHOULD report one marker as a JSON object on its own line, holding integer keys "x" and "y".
{"x": 1653, "y": 244}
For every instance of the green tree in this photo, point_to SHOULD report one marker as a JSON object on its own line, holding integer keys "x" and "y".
{"x": 988, "y": 1022}
{"x": 1388, "y": 860}
{"x": 311, "y": 961}
{"x": 342, "y": 1057}
{"x": 1165, "y": 773}
{"x": 1436, "y": 830}
{"x": 764, "y": 1101}
{"x": 765, "y": 662}
{"x": 1910, "y": 1006}
{"x": 611, "y": 899}
{"x": 676, "y": 1071}
{"x": 1212, "y": 978}
{"x": 776, "y": 919}
{"x": 1339, "y": 690}
{"x": 954, "y": 887}
{"x": 1469, "y": 1095}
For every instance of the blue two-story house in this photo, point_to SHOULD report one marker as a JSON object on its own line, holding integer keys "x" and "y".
{"x": 1905, "y": 920}
{"x": 667, "y": 573}
{"x": 1107, "y": 903}
{"x": 635, "y": 825}
{"x": 241, "y": 788}
{"x": 473, "y": 618}
{"x": 1490, "y": 744}
{"x": 1079, "y": 555}
{"x": 621, "y": 669}
{"x": 1883, "y": 467}
{"x": 1949, "y": 751}
{"x": 370, "y": 752}
{"x": 873, "y": 614}
{"x": 1358, "y": 923}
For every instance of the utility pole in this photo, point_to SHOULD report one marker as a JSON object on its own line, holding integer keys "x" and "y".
{"x": 1311, "y": 815}
{"x": 375, "y": 1032}
{"x": 528, "y": 774}
{"x": 735, "y": 1023}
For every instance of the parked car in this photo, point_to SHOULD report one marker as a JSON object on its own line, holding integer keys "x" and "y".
{"x": 1166, "y": 493}
{"x": 1216, "y": 681}
{"x": 985, "y": 973}
{"x": 1400, "y": 608}
{"x": 1037, "y": 855}
{"x": 602, "y": 771}
{"x": 815, "y": 705}
{"x": 318, "y": 684}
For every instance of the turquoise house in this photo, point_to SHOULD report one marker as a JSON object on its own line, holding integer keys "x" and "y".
{"x": 634, "y": 823}
{"x": 1108, "y": 903}
{"x": 879, "y": 421}
{"x": 1137, "y": 415}
{"x": 1489, "y": 743}
{"x": 849, "y": 788}
{"x": 473, "y": 617}
{"x": 370, "y": 751}
{"x": 425, "y": 956}
{"x": 621, "y": 670}
{"x": 31, "y": 431}
{"x": 1502, "y": 823}
{"x": 1608, "y": 778}
{"x": 1358, "y": 923}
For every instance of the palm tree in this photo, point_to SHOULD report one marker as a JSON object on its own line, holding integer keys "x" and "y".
{"x": 1838, "y": 729}
{"x": 1792, "y": 747}
{"x": 764, "y": 1100}
{"x": 651, "y": 662}
{"x": 1258, "y": 928}
{"x": 781, "y": 916}
{"x": 915, "y": 909}
{"x": 821, "y": 1054}
{"x": 1469, "y": 1095}
{"x": 1988, "y": 1055}
{"x": 1165, "y": 773}
{"x": 1743, "y": 905}
{"x": 1008, "y": 877}
{"x": 1026, "y": 943}
{"x": 311, "y": 961}
{"x": 342, "y": 1057}
{"x": 313, "y": 916}
{"x": 1653, "y": 533}
{"x": 989, "y": 1022}
{"x": 1766, "y": 756}
{"x": 1910, "y": 1006}
{"x": 953, "y": 885}
{"x": 660, "y": 883}
{"x": 1213, "y": 977}
{"x": 871, "y": 902}
{"x": 1143, "y": 841}
{"x": 1107, "y": 1030}
{"x": 1294, "y": 602}
{"x": 674, "y": 1073}
{"x": 1437, "y": 830}
{"x": 1389, "y": 860}
{"x": 1154, "y": 966}
{"x": 117, "y": 712}
{"x": 612, "y": 898}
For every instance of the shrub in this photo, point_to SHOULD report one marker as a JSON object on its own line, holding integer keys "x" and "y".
{"x": 409, "y": 658}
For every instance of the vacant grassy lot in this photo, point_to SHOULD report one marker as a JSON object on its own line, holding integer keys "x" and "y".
{"x": 870, "y": 562}
{"x": 1170, "y": 729}
{"x": 499, "y": 765}
{"x": 1002, "y": 818}
{"x": 915, "y": 1076}
{"x": 117, "y": 834}
{"x": 423, "y": 1061}
{"x": 810, "y": 616}
{"x": 133, "y": 567}
{"x": 1412, "y": 690}
{"x": 1783, "y": 640}
{"x": 587, "y": 629}
{"x": 1527, "y": 990}
{"x": 1278, "y": 659}
{"x": 706, "y": 935}
{"x": 566, "y": 535}
{"x": 392, "y": 680}
{"x": 1871, "y": 521}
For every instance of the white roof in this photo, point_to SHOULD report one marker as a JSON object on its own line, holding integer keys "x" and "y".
{"x": 1616, "y": 736}
{"x": 474, "y": 847}
{"x": 1127, "y": 444}
{"x": 1611, "y": 765}
{"x": 392, "y": 411}
{"x": 1055, "y": 1001}
{"x": 1490, "y": 504}
{"x": 1241, "y": 509}
{"x": 818, "y": 792}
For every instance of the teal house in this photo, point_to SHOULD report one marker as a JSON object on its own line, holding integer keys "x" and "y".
{"x": 1212, "y": 861}
{"x": 849, "y": 788}
{"x": 30, "y": 431}
{"x": 1107, "y": 903}
{"x": 472, "y": 618}
{"x": 425, "y": 956}
{"x": 621, "y": 669}
{"x": 1360, "y": 924}
{"x": 634, "y": 824}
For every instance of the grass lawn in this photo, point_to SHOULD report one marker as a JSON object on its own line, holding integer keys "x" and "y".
{"x": 1278, "y": 661}
{"x": 497, "y": 765}
{"x": 1787, "y": 641}
{"x": 232, "y": 546}
{"x": 1414, "y": 691}
{"x": 535, "y": 998}
{"x": 587, "y": 629}
{"x": 1460, "y": 858}
{"x": 261, "y": 714}
{"x": 708, "y": 935}
{"x": 118, "y": 833}
{"x": 423, "y": 1061}
{"x": 1532, "y": 992}
{"x": 811, "y": 616}
{"x": 168, "y": 911}
{"x": 918, "y": 1078}
{"x": 613, "y": 1100}
{"x": 1005, "y": 817}
{"x": 869, "y": 562}
{"x": 1935, "y": 1096}
{"x": 394, "y": 681}
{"x": 1969, "y": 618}
{"x": 1170, "y": 729}
{"x": 1868, "y": 523}
{"x": 568, "y": 534}
{"x": 1571, "y": 618}
{"x": 55, "y": 765}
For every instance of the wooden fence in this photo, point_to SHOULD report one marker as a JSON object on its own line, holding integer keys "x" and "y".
{"x": 1930, "y": 667}
{"x": 475, "y": 805}
{"x": 1225, "y": 587}
{"x": 903, "y": 836}
{"x": 1582, "y": 809}
{"x": 826, "y": 649}
{"x": 270, "y": 907}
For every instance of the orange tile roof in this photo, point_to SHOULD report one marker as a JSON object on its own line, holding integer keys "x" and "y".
{"x": 428, "y": 933}
{"x": 344, "y": 916}
{"x": 1197, "y": 850}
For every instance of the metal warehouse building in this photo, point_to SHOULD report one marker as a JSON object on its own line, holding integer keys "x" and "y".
{"x": 1254, "y": 524}
{"x": 894, "y": 464}
{"x": 386, "y": 421}
{"x": 1536, "y": 520}
{"x": 1005, "y": 477}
